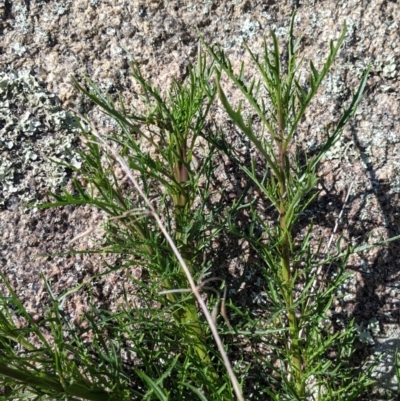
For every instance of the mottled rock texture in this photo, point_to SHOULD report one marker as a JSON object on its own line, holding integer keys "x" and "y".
{"x": 43, "y": 42}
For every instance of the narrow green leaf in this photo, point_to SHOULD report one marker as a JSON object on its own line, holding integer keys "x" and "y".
{"x": 154, "y": 388}
{"x": 196, "y": 391}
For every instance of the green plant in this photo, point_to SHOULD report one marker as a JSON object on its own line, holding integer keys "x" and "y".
{"x": 171, "y": 127}
{"x": 159, "y": 146}
{"x": 150, "y": 155}
{"x": 290, "y": 264}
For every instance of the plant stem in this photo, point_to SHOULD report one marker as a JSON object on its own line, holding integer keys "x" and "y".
{"x": 285, "y": 251}
{"x": 288, "y": 297}
{"x": 182, "y": 216}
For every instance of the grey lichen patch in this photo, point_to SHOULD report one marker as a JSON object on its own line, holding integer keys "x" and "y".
{"x": 389, "y": 67}
{"x": 21, "y": 23}
{"x": 33, "y": 130}
{"x": 366, "y": 332}
{"x": 384, "y": 350}
{"x": 249, "y": 28}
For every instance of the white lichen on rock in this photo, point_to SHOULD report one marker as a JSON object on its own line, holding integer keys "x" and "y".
{"x": 33, "y": 129}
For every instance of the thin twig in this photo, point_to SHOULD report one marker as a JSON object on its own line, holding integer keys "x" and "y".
{"x": 220, "y": 300}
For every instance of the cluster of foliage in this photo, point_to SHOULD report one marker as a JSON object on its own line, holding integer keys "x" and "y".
{"x": 171, "y": 349}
